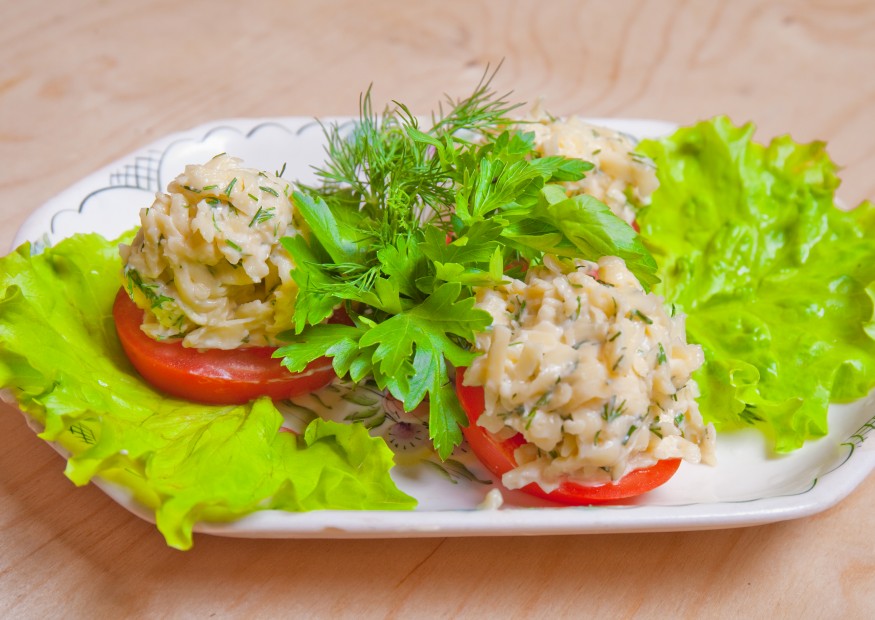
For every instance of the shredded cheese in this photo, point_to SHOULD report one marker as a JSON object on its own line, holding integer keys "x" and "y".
{"x": 207, "y": 264}
{"x": 592, "y": 371}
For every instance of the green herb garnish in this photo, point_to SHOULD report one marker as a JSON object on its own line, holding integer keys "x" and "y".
{"x": 262, "y": 215}
{"x": 408, "y": 220}
{"x": 661, "y": 357}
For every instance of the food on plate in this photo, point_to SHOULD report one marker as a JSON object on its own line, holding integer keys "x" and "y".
{"x": 776, "y": 281}
{"x": 185, "y": 462}
{"x": 512, "y": 205}
{"x": 217, "y": 376}
{"x": 206, "y": 265}
{"x": 498, "y": 455}
{"x": 590, "y": 373}
{"x": 427, "y": 236}
{"x": 621, "y": 177}
{"x": 409, "y": 221}
{"x": 213, "y": 285}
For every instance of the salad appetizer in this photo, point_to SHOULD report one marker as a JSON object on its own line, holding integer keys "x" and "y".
{"x": 587, "y": 311}
{"x": 208, "y": 286}
{"x": 588, "y": 379}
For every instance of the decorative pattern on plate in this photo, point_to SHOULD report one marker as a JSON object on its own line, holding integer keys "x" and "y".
{"x": 141, "y": 174}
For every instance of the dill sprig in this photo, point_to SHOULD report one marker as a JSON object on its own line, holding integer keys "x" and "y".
{"x": 396, "y": 181}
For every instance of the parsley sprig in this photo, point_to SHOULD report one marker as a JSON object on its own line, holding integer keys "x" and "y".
{"x": 408, "y": 220}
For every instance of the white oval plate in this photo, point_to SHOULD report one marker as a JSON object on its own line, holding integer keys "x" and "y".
{"x": 747, "y": 487}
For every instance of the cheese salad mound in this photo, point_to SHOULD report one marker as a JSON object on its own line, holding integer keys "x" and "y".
{"x": 592, "y": 371}
{"x": 621, "y": 178}
{"x": 207, "y": 265}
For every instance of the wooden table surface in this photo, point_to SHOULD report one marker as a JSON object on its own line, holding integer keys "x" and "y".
{"x": 84, "y": 82}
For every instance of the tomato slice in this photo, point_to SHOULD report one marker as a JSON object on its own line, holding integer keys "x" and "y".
{"x": 211, "y": 376}
{"x": 498, "y": 457}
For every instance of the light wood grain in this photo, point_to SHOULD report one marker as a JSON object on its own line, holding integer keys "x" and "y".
{"x": 83, "y": 82}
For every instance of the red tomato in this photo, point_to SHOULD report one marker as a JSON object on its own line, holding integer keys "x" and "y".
{"x": 498, "y": 457}
{"x": 212, "y": 376}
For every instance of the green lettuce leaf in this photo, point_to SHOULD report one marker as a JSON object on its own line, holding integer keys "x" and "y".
{"x": 60, "y": 357}
{"x": 776, "y": 282}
